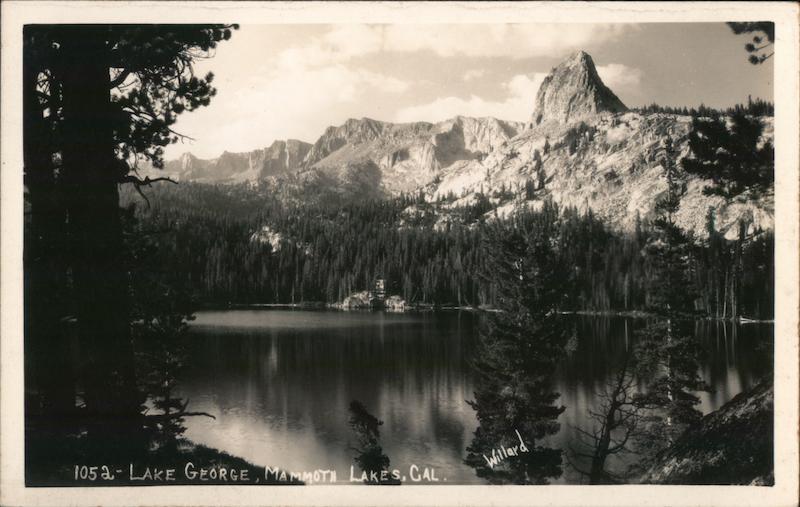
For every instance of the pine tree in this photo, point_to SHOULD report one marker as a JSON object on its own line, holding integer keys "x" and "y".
{"x": 669, "y": 248}
{"x": 667, "y": 354}
{"x": 761, "y": 45}
{"x": 519, "y": 350}
{"x": 734, "y": 158}
{"x": 100, "y": 97}
{"x": 370, "y": 457}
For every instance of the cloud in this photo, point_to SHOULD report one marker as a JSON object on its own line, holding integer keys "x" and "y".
{"x": 527, "y": 40}
{"x": 516, "y": 106}
{"x": 473, "y": 74}
{"x": 617, "y": 75}
{"x": 354, "y": 40}
{"x": 328, "y": 61}
{"x": 338, "y": 45}
{"x": 321, "y": 77}
{"x": 518, "y": 41}
{"x": 289, "y": 102}
{"x": 294, "y": 93}
{"x": 519, "y": 100}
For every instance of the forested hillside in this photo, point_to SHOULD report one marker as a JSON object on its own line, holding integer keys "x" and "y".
{"x": 244, "y": 244}
{"x": 413, "y": 204}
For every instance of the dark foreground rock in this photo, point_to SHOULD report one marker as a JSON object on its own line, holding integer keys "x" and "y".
{"x": 732, "y": 445}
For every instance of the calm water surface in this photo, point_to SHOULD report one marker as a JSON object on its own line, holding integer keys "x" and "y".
{"x": 280, "y": 382}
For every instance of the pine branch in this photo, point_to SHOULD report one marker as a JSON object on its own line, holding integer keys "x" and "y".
{"x": 121, "y": 77}
{"x": 147, "y": 181}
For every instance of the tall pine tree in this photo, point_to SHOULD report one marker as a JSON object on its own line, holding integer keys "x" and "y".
{"x": 98, "y": 98}
{"x": 519, "y": 349}
{"x": 667, "y": 354}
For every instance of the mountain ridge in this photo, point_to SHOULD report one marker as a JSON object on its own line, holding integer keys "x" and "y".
{"x": 582, "y": 148}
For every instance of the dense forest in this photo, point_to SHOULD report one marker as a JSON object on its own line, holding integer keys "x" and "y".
{"x": 244, "y": 244}
{"x": 754, "y": 107}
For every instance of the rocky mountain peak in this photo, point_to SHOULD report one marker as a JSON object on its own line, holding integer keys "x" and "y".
{"x": 281, "y": 157}
{"x": 186, "y": 160}
{"x": 572, "y": 91}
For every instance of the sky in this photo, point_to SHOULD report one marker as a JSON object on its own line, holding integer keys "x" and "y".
{"x": 289, "y": 81}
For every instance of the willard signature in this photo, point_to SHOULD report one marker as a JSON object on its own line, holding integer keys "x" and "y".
{"x": 502, "y": 453}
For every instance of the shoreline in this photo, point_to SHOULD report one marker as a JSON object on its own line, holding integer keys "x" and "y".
{"x": 318, "y": 305}
{"x": 430, "y": 307}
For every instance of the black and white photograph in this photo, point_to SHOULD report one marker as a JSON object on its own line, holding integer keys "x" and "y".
{"x": 320, "y": 252}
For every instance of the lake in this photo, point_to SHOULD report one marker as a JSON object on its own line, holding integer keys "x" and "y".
{"x": 280, "y": 383}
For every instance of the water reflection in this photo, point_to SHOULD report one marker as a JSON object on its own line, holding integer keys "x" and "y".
{"x": 369, "y": 455}
{"x": 514, "y": 402}
{"x": 614, "y": 419}
{"x": 280, "y": 383}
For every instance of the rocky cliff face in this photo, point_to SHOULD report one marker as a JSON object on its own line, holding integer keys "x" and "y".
{"x": 409, "y": 155}
{"x": 730, "y": 446}
{"x": 609, "y": 163}
{"x": 574, "y": 91}
{"x": 282, "y": 157}
{"x": 189, "y": 167}
{"x": 583, "y": 148}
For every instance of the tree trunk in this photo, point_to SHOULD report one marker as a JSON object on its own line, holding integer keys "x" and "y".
{"x": 738, "y": 270}
{"x": 725, "y": 297}
{"x": 99, "y": 269}
{"x": 47, "y": 350}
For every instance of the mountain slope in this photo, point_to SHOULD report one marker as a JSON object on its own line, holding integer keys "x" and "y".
{"x": 732, "y": 445}
{"x": 409, "y": 155}
{"x": 582, "y": 148}
{"x": 610, "y": 164}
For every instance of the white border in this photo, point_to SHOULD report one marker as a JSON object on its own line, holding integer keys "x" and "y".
{"x": 785, "y": 16}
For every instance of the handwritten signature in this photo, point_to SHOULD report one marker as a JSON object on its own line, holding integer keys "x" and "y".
{"x": 502, "y": 453}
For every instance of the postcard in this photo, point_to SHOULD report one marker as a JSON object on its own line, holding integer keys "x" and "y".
{"x": 464, "y": 253}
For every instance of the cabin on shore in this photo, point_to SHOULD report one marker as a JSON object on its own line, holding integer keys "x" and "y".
{"x": 377, "y": 295}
